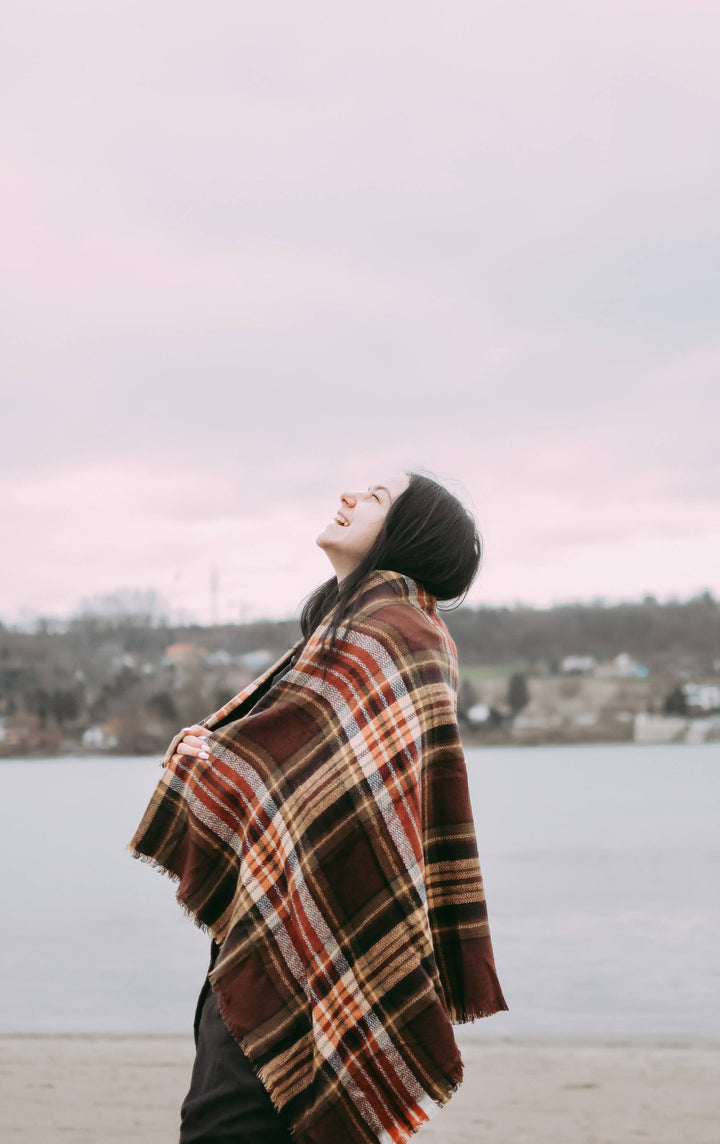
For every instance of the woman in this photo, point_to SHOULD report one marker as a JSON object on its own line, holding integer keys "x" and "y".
{"x": 320, "y": 829}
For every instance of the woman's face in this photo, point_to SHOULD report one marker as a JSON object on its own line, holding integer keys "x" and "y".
{"x": 348, "y": 538}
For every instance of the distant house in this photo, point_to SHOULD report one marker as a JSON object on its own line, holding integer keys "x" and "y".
{"x": 98, "y": 739}
{"x": 220, "y": 658}
{"x": 186, "y": 662}
{"x": 622, "y": 667}
{"x": 675, "y": 728}
{"x": 701, "y": 698}
{"x": 182, "y": 654}
{"x": 659, "y": 728}
{"x": 257, "y": 660}
{"x": 478, "y": 714}
{"x": 485, "y": 716}
{"x": 578, "y": 665}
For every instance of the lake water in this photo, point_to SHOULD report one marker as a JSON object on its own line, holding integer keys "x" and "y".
{"x": 601, "y": 867}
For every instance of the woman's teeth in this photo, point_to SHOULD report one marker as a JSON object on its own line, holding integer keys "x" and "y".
{"x": 339, "y": 520}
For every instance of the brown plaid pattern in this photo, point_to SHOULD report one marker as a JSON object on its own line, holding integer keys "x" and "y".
{"x": 328, "y": 846}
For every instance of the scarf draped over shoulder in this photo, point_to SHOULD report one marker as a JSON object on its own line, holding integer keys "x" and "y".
{"x": 328, "y": 846}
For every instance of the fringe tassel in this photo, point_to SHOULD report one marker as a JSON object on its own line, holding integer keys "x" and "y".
{"x": 467, "y": 1016}
{"x": 262, "y": 1072}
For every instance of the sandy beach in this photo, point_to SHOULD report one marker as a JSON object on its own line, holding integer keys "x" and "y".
{"x": 128, "y": 1090}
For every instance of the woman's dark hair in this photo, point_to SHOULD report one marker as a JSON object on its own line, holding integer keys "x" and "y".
{"x": 427, "y": 535}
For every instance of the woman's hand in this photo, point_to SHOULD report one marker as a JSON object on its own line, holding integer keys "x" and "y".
{"x": 193, "y": 742}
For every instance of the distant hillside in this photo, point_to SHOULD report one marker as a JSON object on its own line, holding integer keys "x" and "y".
{"x": 126, "y": 682}
{"x": 673, "y": 637}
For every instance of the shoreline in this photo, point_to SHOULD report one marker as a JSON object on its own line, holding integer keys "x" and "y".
{"x": 469, "y": 742}
{"x": 465, "y": 1034}
{"x": 122, "y": 1088}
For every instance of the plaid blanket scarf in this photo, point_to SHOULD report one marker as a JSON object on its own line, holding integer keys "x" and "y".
{"x": 328, "y": 846}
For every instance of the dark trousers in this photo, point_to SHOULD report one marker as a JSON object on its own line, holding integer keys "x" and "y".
{"x": 226, "y": 1102}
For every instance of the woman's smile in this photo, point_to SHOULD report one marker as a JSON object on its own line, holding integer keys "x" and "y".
{"x": 363, "y": 514}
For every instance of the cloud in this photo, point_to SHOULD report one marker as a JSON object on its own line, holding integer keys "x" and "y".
{"x": 254, "y": 254}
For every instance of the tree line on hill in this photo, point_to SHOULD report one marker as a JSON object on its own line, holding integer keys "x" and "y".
{"x": 111, "y": 664}
{"x": 668, "y": 637}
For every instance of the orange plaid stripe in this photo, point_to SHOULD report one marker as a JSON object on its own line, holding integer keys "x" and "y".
{"x": 328, "y": 845}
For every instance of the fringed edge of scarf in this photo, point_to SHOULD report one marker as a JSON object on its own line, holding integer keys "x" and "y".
{"x": 445, "y": 1087}
{"x": 262, "y": 1071}
{"x": 467, "y": 1017}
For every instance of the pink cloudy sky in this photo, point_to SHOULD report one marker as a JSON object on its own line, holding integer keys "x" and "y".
{"x": 254, "y": 254}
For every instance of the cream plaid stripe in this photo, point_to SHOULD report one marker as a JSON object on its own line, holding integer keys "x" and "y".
{"x": 328, "y": 845}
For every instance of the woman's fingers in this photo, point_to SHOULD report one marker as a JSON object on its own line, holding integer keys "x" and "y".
{"x": 193, "y": 742}
{"x": 184, "y": 748}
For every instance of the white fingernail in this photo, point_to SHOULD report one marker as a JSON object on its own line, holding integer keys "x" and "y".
{"x": 204, "y": 755}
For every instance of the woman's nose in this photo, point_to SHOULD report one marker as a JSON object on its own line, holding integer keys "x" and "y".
{"x": 350, "y": 499}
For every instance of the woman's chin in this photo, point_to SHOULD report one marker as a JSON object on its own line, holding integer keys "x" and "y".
{"x": 329, "y": 536}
